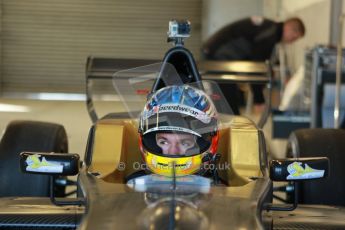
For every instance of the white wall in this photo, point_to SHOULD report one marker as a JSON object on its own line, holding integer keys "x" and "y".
{"x": 316, "y": 16}
{"x": 291, "y": 6}
{"x": 218, "y": 13}
{"x": 271, "y": 9}
{"x": 343, "y": 34}
{"x": 314, "y": 13}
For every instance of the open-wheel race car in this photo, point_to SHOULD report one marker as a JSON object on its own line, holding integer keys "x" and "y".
{"x": 218, "y": 176}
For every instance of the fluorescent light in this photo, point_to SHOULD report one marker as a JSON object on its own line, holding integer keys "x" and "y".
{"x": 13, "y": 108}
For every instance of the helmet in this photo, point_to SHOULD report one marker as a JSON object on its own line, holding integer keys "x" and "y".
{"x": 178, "y": 126}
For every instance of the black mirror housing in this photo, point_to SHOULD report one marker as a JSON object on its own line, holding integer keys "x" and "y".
{"x": 59, "y": 164}
{"x": 299, "y": 169}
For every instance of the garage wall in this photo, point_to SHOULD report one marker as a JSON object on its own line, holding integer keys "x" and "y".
{"x": 45, "y": 43}
{"x": 218, "y": 13}
{"x": 316, "y": 16}
{"x": 317, "y": 27}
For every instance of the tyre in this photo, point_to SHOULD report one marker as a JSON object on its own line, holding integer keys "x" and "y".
{"x": 31, "y": 136}
{"x": 321, "y": 143}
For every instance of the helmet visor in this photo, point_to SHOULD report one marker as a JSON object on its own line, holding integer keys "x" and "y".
{"x": 177, "y": 134}
{"x": 134, "y": 87}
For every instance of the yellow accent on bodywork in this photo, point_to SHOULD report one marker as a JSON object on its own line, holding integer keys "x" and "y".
{"x": 36, "y": 163}
{"x": 116, "y": 140}
{"x": 297, "y": 169}
{"x": 107, "y": 147}
{"x": 239, "y": 147}
{"x": 245, "y": 155}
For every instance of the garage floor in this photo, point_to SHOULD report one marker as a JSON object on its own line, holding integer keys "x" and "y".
{"x": 70, "y": 110}
{"x": 72, "y": 114}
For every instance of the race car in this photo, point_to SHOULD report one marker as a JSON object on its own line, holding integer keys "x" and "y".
{"x": 221, "y": 180}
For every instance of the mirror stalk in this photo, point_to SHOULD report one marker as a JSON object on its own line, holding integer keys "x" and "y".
{"x": 77, "y": 201}
{"x": 272, "y": 207}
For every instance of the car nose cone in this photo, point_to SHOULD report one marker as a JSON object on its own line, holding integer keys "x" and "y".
{"x": 172, "y": 214}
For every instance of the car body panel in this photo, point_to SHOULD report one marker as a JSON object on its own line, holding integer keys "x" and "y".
{"x": 113, "y": 205}
{"x": 310, "y": 217}
{"x": 115, "y": 149}
{"x": 116, "y": 154}
{"x": 37, "y": 212}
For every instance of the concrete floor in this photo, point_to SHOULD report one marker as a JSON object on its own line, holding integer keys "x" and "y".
{"x": 72, "y": 114}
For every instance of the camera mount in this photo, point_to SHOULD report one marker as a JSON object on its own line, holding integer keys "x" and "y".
{"x": 178, "y": 31}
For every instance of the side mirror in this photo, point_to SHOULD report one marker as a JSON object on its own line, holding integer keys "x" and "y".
{"x": 59, "y": 164}
{"x": 297, "y": 169}
{"x": 294, "y": 170}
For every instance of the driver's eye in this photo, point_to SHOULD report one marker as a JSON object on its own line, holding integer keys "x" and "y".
{"x": 162, "y": 142}
{"x": 187, "y": 144}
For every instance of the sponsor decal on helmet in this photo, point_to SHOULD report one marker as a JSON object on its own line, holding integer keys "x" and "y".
{"x": 172, "y": 128}
{"x": 187, "y": 110}
{"x": 169, "y": 165}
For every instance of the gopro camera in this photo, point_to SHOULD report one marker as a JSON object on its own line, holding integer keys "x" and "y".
{"x": 179, "y": 29}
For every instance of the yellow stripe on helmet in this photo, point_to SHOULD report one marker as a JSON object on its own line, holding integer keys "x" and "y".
{"x": 163, "y": 165}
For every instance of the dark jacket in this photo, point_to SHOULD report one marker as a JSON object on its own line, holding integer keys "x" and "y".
{"x": 250, "y": 39}
{"x": 247, "y": 39}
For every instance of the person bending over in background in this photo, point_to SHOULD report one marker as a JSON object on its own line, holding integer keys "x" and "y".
{"x": 250, "y": 39}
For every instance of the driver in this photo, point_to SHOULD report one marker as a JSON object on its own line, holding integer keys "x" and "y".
{"x": 179, "y": 132}
{"x": 175, "y": 144}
